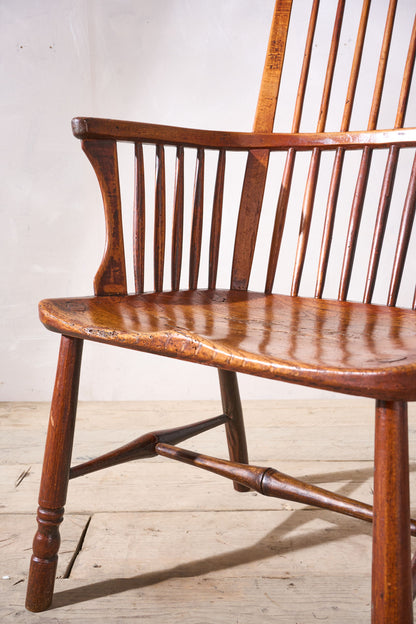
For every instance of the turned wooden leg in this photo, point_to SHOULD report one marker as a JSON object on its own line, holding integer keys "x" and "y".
{"x": 55, "y": 474}
{"x": 236, "y": 436}
{"x": 392, "y": 578}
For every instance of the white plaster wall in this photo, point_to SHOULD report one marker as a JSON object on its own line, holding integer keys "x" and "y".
{"x": 183, "y": 62}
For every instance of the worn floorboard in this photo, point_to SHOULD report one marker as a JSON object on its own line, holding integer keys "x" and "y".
{"x": 167, "y": 543}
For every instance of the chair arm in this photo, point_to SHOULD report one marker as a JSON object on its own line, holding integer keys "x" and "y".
{"x": 94, "y": 128}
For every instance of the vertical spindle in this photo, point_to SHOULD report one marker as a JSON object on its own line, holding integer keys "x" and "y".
{"x": 339, "y": 155}
{"x": 160, "y": 219}
{"x": 390, "y": 173}
{"x": 196, "y": 235}
{"x": 139, "y": 219}
{"x": 214, "y": 245}
{"x": 258, "y": 160}
{"x": 177, "y": 229}
{"x": 403, "y": 238}
{"x": 309, "y": 197}
{"x": 363, "y": 173}
{"x": 283, "y": 199}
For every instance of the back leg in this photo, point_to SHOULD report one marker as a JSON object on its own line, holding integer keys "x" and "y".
{"x": 236, "y": 435}
{"x": 55, "y": 475}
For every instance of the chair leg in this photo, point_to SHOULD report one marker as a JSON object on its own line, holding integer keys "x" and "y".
{"x": 236, "y": 436}
{"x": 55, "y": 474}
{"x": 391, "y": 578}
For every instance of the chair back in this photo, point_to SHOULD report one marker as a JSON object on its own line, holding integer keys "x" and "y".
{"x": 327, "y": 198}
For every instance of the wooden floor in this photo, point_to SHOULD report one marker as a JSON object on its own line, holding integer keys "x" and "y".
{"x": 163, "y": 542}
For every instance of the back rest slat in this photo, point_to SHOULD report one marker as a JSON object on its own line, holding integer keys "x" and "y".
{"x": 258, "y": 160}
{"x": 196, "y": 235}
{"x": 177, "y": 229}
{"x": 305, "y": 220}
{"x": 272, "y": 72}
{"x": 339, "y": 155}
{"x": 381, "y": 70}
{"x": 280, "y": 218}
{"x": 329, "y": 222}
{"x": 354, "y": 223}
{"x": 139, "y": 219}
{"x": 407, "y": 79}
{"x": 309, "y": 196}
{"x": 381, "y": 222}
{"x": 355, "y": 67}
{"x": 403, "y": 238}
{"x": 110, "y": 278}
{"x": 323, "y": 112}
{"x": 214, "y": 243}
{"x": 364, "y": 169}
{"x": 281, "y": 209}
{"x": 160, "y": 219}
{"x": 300, "y": 96}
{"x": 390, "y": 174}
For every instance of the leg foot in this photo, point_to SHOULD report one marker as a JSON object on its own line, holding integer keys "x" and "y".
{"x": 42, "y": 570}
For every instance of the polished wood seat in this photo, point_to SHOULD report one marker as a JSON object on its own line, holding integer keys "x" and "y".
{"x": 343, "y": 346}
{"x": 360, "y": 344}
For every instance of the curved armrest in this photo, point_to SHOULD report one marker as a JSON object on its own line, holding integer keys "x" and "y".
{"x": 94, "y": 128}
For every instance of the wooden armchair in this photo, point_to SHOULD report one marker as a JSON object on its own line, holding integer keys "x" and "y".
{"x": 328, "y": 342}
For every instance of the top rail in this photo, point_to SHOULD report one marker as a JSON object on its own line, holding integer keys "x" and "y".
{"x": 94, "y": 128}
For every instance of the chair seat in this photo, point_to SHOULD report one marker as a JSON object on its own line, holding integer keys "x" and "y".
{"x": 355, "y": 348}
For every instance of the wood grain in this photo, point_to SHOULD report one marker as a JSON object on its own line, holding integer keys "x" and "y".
{"x": 139, "y": 219}
{"x": 326, "y": 557}
{"x": 270, "y": 482}
{"x": 403, "y": 239}
{"x": 55, "y": 475}
{"x": 177, "y": 229}
{"x": 286, "y": 183}
{"x": 144, "y": 447}
{"x": 363, "y": 173}
{"x": 214, "y": 242}
{"x": 389, "y": 177}
{"x": 117, "y": 130}
{"x": 392, "y": 579}
{"x": 312, "y": 178}
{"x": 234, "y": 427}
{"x": 352, "y": 348}
{"x": 341, "y": 346}
{"x": 340, "y": 153}
{"x": 197, "y": 218}
{"x": 160, "y": 219}
{"x": 111, "y": 275}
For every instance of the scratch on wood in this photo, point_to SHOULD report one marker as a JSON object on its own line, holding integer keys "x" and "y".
{"x": 22, "y": 476}
{"x": 78, "y": 549}
{"x": 19, "y": 581}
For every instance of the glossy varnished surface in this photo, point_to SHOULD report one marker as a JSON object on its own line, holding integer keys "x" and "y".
{"x": 131, "y": 131}
{"x": 360, "y": 349}
{"x": 348, "y": 347}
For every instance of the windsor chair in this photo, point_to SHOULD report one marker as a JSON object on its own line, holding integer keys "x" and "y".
{"x": 319, "y": 340}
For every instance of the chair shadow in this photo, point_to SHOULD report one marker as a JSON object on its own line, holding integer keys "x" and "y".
{"x": 261, "y": 550}
{"x": 274, "y": 543}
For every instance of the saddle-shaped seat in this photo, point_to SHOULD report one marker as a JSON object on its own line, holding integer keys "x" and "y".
{"x": 337, "y": 345}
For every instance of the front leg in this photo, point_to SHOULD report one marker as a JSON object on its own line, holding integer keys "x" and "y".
{"x": 55, "y": 475}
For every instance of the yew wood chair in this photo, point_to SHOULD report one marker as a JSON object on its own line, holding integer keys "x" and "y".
{"x": 322, "y": 339}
